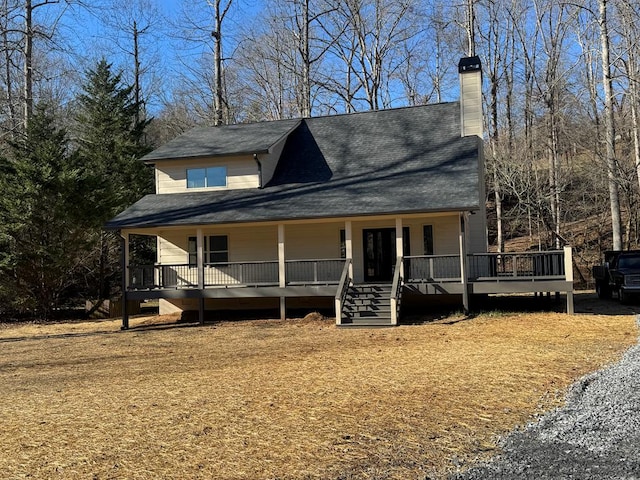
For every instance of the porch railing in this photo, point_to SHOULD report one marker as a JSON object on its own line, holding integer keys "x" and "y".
{"x": 396, "y": 291}
{"x": 343, "y": 287}
{"x": 306, "y": 272}
{"x": 146, "y": 277}
{"x": 417, "y": 269}
{"x": 432, "y": 268}
{"x": 240, "y": 273}
{"x": 486, "y": 267}
{"x": 325, "y": 271}
{"x": 513, "y": 266}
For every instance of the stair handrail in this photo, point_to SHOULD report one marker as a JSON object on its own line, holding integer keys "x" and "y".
{"x": 343, "y": 287}
{"x": 396, "y": 287}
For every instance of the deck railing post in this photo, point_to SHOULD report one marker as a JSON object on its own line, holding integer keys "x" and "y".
{"x": 396, "y": 292}
{"x": 125, "y": 279}
{"x": 200, "y": 257}
{"x": 399, "y": 244}
{"x": 568, "y": 272}
{"x": 282, "y": 270}
{"x": 343, "y": 285}
{"x": 348, "y": 244}
{"x": 463, "y": 261}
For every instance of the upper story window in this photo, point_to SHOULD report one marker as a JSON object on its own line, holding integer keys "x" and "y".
{"x": 206, "y": 177}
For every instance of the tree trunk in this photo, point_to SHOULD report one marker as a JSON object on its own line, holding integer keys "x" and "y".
{"x": 471, "y": 28}
{"x": 217, "y": 95}
{"x": 610, "y": 151}
{"x": 554, "y": 187}
{"x": 217, "y": 72}
{"x": 631, "y": 42}
{"x": 306, "y": 62}
{"x": 8, "y": 77}
{"x": 136, "y": 71}
{"x": 28, "y": 64}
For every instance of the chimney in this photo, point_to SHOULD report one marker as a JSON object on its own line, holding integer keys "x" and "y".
{"x": 470, "y": 73}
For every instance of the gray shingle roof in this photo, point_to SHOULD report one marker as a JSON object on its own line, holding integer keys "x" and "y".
{"x": 224, "y": 140}
{"x": 405, "y": 160}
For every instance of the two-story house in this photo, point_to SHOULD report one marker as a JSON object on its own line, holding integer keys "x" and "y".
{"x": 357, "y": 210}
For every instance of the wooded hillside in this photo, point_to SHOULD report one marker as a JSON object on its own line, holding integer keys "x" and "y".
{"x": 560, "y": 88}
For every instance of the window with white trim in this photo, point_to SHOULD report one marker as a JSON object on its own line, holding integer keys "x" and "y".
{"x": 216, "y": 249}
{"x": 206, "y": 177}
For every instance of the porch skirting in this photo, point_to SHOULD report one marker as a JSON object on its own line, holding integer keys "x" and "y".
{"x": 235, "y": 292}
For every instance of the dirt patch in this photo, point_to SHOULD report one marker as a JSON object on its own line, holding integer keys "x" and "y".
{"x": 299, "y": 399}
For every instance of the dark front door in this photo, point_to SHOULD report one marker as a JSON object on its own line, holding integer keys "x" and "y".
{"x": 379, "y": 247}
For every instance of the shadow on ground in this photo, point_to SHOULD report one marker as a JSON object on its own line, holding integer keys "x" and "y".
{"x": 585, "y": 302}
{"x": 588, "y": 302}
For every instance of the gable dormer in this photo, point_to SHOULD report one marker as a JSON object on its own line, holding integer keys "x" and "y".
{"x": 230, "y": 157}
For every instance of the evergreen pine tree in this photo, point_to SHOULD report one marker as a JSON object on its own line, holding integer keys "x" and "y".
{"x": 110, "y": 143}
{"x": 42, "y": 236}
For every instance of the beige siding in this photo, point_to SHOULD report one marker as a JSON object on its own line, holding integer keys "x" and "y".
{"x": 445, "y": 234}
{"x": 313, "y": 242}
{"x": 471, "y": 103}
{"x": 166, "y": 307}
{"x": 258, "y": 243}
{"x": 172, "y": 250}
{"x": 172, "y": 247}
{"x": 246, "y": 244}
{"x": 171, "y": 175}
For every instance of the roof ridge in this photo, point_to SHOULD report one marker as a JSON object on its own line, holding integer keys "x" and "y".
{"x": 382, "y": 110}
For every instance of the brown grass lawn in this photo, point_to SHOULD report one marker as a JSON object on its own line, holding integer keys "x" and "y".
{"x": 299, "y": 399}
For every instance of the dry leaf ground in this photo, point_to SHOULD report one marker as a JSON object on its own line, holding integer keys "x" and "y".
{"x": 299, "y": 399}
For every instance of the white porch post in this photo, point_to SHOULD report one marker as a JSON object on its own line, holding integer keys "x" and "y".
{"x": 200, "y": 257}
{"x": 200, "y": 267}
{"x": 463, "y": 261}
{"x": 568, "y": 272}
{"x": 399, "y": 253}
{"x": 399, "y": 244}
{"x": 348, "y": 243}
{"x": 282, "y": 270}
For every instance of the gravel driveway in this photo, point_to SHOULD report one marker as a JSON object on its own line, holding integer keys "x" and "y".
{"x": 596, "y": 435}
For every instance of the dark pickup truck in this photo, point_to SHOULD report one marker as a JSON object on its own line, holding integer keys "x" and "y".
{"x": 619, "y": 273}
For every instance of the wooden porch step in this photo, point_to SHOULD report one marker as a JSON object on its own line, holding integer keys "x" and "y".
{"x": 372, "y": 288}
{"x": 367, "y": 322}
{"x": 367, "y": 310}
{"x": 367, "y": 305}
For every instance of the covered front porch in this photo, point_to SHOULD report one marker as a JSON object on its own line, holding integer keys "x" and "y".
{"x": 335, "y": 260}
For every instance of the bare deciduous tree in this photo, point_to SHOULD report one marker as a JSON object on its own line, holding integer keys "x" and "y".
{"x": 610, "y": 148}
